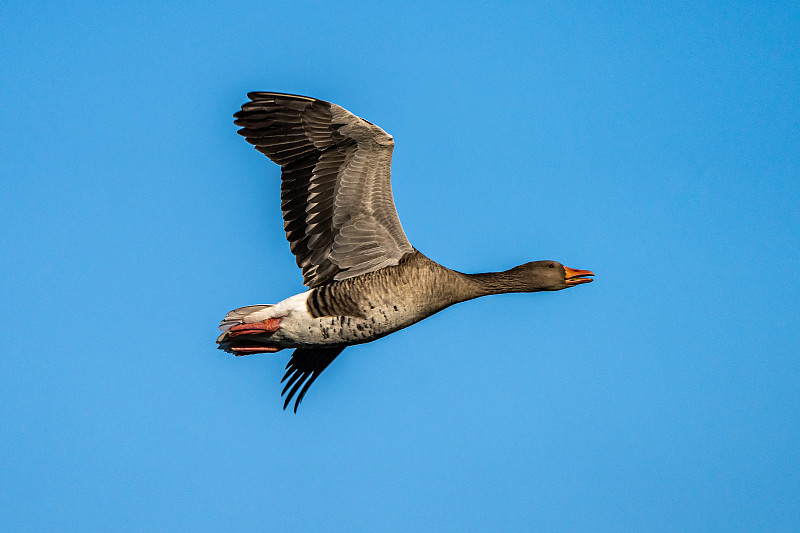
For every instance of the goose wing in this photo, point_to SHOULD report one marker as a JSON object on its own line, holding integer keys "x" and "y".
{"x": 336, "y": 193}
{"x": 303, "y": 368}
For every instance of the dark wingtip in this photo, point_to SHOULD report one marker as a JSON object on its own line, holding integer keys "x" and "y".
{"x": 293, "y": 392}
{"x": 291, "y": 381}
{"x": 302, "y": 392}
{"x": 303, "y": 369}
{"x": 260, "y": 95}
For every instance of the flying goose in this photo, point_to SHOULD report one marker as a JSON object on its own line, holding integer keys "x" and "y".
{"x": 365, "y": 279}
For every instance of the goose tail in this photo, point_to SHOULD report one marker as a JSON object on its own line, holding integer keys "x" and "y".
{"x": 248, "y": 313}
{"x": 248, "y": 330}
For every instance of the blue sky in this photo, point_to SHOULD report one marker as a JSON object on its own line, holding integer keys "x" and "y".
{"x": 657, "y": 145}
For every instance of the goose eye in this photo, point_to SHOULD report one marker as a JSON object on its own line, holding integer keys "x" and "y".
{"x": 552, "y": 265}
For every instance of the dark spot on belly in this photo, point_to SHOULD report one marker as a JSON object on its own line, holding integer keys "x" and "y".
{"x": 395, "y": 307}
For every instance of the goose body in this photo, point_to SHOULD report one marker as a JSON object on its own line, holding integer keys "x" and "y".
{"x": 366, "y": 280}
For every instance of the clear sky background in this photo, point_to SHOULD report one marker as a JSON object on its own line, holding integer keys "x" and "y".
{"x": 658, "y": 146}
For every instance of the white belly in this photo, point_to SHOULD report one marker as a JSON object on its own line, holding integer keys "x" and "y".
{"x": 299, "y": 329}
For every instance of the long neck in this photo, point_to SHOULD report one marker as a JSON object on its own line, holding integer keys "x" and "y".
{"x": 512, "y": 280}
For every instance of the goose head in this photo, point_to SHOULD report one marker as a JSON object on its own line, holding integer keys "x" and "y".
{"x": 548, "y": 276}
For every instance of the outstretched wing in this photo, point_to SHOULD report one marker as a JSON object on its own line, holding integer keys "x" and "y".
{"x": 336, "y": 193}
{"x": 303, "y": 368}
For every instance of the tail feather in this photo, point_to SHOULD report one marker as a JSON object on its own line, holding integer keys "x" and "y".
{"x": 237, "y": 316}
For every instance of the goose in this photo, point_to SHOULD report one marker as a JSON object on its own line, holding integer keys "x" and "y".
{"x": 365, "y": 280}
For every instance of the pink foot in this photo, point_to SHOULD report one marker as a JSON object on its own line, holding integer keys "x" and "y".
{"x": 247, "y": 350}
{"x": 270, "y": 325}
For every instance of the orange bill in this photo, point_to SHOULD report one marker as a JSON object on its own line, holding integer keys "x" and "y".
{"x": 576, "y": 277}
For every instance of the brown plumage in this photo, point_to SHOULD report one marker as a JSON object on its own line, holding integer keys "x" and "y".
{"x": 366, "y": 279}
